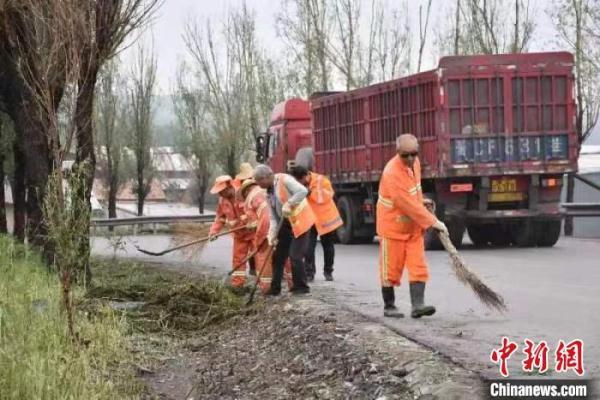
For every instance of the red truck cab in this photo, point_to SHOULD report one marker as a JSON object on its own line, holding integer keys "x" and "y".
{"x": 289, "y": 131}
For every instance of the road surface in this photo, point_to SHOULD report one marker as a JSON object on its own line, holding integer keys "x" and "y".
{"x": 552, "y": 294}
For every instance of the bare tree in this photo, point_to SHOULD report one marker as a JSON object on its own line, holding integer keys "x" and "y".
{"x": 111, "y": 107}
{"x": 304, "y": 27}
{"x": 487, "y": 27}
{"x": 577, "y": 24}
{"x": 423, "y": 29}
{"x": 195, "y": 141}
{"x": 141, "y": 96}
{"x": 6, "y": 140}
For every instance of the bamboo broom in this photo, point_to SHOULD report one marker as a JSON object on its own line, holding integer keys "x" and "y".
{"x": 196, "y": 242}
{"x": 485, "y": 294}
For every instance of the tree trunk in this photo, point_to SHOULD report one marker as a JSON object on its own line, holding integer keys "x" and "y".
{"x": 3, "y": 227}
{"x": 112, "y": 202}
{"x": 85, "y": 155}
{"x": 140, "y": 195}
{"x": 18, "y": 192}
{"x": 570, "y": 197}
{"x": 202, "y": 183}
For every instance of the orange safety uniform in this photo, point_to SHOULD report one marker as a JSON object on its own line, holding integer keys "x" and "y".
{"x": 322, "y": 204}
{"x": 302, "y": 217}
{"x": 231, "y": 214}
{"x": 401, "y": 222}
{"x": 256, "y": 206}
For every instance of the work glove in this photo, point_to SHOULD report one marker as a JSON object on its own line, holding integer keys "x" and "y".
{"x": 440, "y": 227}
{"x": 232, "y": 223}
{"x": 251, "y": 226}
{"x": 428, "y": 203}
{"x": 272, "y": 239}
{"x": 286, "y": 210}
{"x": 212, "y": 238}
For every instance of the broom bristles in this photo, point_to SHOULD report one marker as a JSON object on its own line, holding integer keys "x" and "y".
{"x": 188, "y": 232}
{"x": 486, "y": 295}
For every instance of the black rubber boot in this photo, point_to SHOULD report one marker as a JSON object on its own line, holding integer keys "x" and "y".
{"x": 328, "y": 276}
{"x": 417, "y": 296}
{"x": 389, "y": 300}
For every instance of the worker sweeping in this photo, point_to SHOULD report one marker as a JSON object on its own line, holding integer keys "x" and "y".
{"x": 328, "y": 220}
{"x": 245, "y": 174}
{"x": 230, "y": 213}
{"x": 402, "y": 219}
{"x": 256, "y": 206}
{"x": 287, "y": 199}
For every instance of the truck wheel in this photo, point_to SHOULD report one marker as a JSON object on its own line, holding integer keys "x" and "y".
{"x": 479, "y": 235}
{"x": 432, "y": 241}
{"x": 345, "y": 233}
{"x": 524, "y": 234}
{"x": 499, "y": 235}
{"x": 548, "y": 232}
{"x": 456, "y": 230}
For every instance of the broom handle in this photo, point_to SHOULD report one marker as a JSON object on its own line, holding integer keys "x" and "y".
{"x": 248, "y": 257}
{"x": 271, "y": 248}
{"x": 447, "y": 243}
{"x": 204, "y": 239}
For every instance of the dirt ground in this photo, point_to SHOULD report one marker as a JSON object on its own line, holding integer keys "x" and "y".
{"x": 301, "y": 348}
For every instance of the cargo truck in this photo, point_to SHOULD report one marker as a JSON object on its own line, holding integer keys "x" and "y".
{"x": 496, "y": 132}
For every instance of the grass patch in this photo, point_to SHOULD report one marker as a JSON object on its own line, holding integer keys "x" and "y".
{"x": 173, "y": 303}
{"x": 38, "y": 360}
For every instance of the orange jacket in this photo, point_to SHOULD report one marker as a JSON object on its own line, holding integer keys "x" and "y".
{"x": 258, "y": 211}
{"x": 302, "y": 217}
{"x": 232, "y": 215}
{"x": 321, "y": 201}
{"x": 400, "y": 210}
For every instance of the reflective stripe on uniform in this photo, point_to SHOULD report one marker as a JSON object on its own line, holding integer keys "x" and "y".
{"x": 320, "y": 189}
{"x": 238, "y": 273}
{"x": 299, "y": 208}
{"x": 385, "y": 202}
{"x": 332, "y": 222}
{"x": 384, "y": 272}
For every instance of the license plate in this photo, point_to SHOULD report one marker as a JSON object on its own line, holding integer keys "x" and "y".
{"x": 507, "y": 196}
{"x": 504, "y": 185}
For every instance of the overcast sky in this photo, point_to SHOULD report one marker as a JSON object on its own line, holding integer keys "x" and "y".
{"x": 171, "y": 18}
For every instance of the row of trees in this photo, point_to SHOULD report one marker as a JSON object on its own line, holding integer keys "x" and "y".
{"x": 54, "y": 62}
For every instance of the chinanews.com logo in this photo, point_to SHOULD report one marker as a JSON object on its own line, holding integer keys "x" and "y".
{"x": 540, "y": 358}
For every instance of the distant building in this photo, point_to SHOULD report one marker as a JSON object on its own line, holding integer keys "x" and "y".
{"x": 174, "y": 171}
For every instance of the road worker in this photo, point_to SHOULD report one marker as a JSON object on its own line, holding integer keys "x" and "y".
{"x": 320, "y": 199}
{"x": 245, "y": 173}
{"x": 256, "y": 206}
{"x": 288, "y": 203}
{"x": 230, "y": 214}
{"x": 402, "y": 219}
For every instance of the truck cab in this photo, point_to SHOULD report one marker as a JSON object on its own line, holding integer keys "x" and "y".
{"x": 289, "y": 131}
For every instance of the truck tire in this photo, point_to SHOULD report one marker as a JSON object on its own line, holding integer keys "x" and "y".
{"x": 479, "y": 235}
{"x": 548, "y": 232}
{"x": 456, "y": 230}
{"x": 345, "y": 233}
{"x": 524, "y": 234}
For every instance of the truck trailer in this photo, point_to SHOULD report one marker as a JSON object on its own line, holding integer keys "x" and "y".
{"x": 496, "y": 132}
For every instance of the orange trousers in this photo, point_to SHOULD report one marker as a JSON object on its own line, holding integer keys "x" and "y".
{"x": 264, "y": 269}
{"x": 394, "y": 255}
{"x": 241, "y": 250}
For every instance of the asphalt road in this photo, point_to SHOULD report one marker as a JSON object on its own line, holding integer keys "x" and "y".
{"x": 552, "y": 294}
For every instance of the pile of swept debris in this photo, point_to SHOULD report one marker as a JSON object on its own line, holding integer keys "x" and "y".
{"x": 287, "y": 351}
{"x": 194, "y": 339}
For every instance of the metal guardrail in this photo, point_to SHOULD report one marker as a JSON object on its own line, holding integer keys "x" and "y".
{"x": 149, "y": 220}
{"x": 581, "y": 209}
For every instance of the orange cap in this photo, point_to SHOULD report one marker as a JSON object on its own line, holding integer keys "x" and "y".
{"x": 221, "y": 183}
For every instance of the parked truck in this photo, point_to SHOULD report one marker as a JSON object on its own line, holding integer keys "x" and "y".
{"x": 496, "y": 132}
